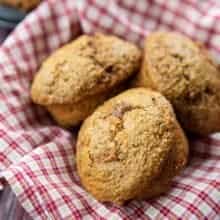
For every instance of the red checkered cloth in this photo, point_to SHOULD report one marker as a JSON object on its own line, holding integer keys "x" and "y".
{"x": 37, "y": 157}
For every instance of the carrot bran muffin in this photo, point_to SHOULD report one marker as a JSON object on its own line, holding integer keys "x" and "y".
{"x": 130, "y": 147}
{"x": 183, "y": 72}
{"x": 83, "y": 73}
{"x": 25, "y": 5}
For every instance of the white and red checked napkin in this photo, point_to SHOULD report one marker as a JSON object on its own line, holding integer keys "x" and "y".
{"x": 37, "y": 157}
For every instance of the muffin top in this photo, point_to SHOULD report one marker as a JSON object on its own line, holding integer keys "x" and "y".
{"x": 87, "y": 66}
{"x": 123, "y": 146}
{"x": 177, "y": 66}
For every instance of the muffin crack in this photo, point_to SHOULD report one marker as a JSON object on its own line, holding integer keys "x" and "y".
{"x": 108, "y": 69}
{"x": 123, "y": 108}
{"x": 114, "y": 152}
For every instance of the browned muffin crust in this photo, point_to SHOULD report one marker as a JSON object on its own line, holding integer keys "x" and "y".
{"x": 130, "y": 147}
{"x": 182, "y": 71}
{"x": 79, "y": 76}
{"x": 84, "y": 67}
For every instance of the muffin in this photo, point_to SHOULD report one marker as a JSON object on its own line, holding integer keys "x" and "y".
{"x": 184, "y": 73}
{"x": 130, "y": 147}
{"x": 25, "y": 5}
{"x": 81, "y": 75}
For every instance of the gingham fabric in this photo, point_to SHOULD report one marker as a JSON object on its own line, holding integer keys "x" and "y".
{"x": 37, "y": 157}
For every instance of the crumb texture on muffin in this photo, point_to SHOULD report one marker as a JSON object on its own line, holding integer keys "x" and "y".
{"x": 130, "y": 147}
{"x": 182, "y": 71}
{"x": 84, "y": 67}
{"x": 78, "y": 77}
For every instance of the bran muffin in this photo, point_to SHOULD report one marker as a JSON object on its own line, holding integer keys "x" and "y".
{"x": 25, "y": 5}
{"x": 130, "y": 147}
{"x": 83, "y": 73}
{"x": 183, "y": 72}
